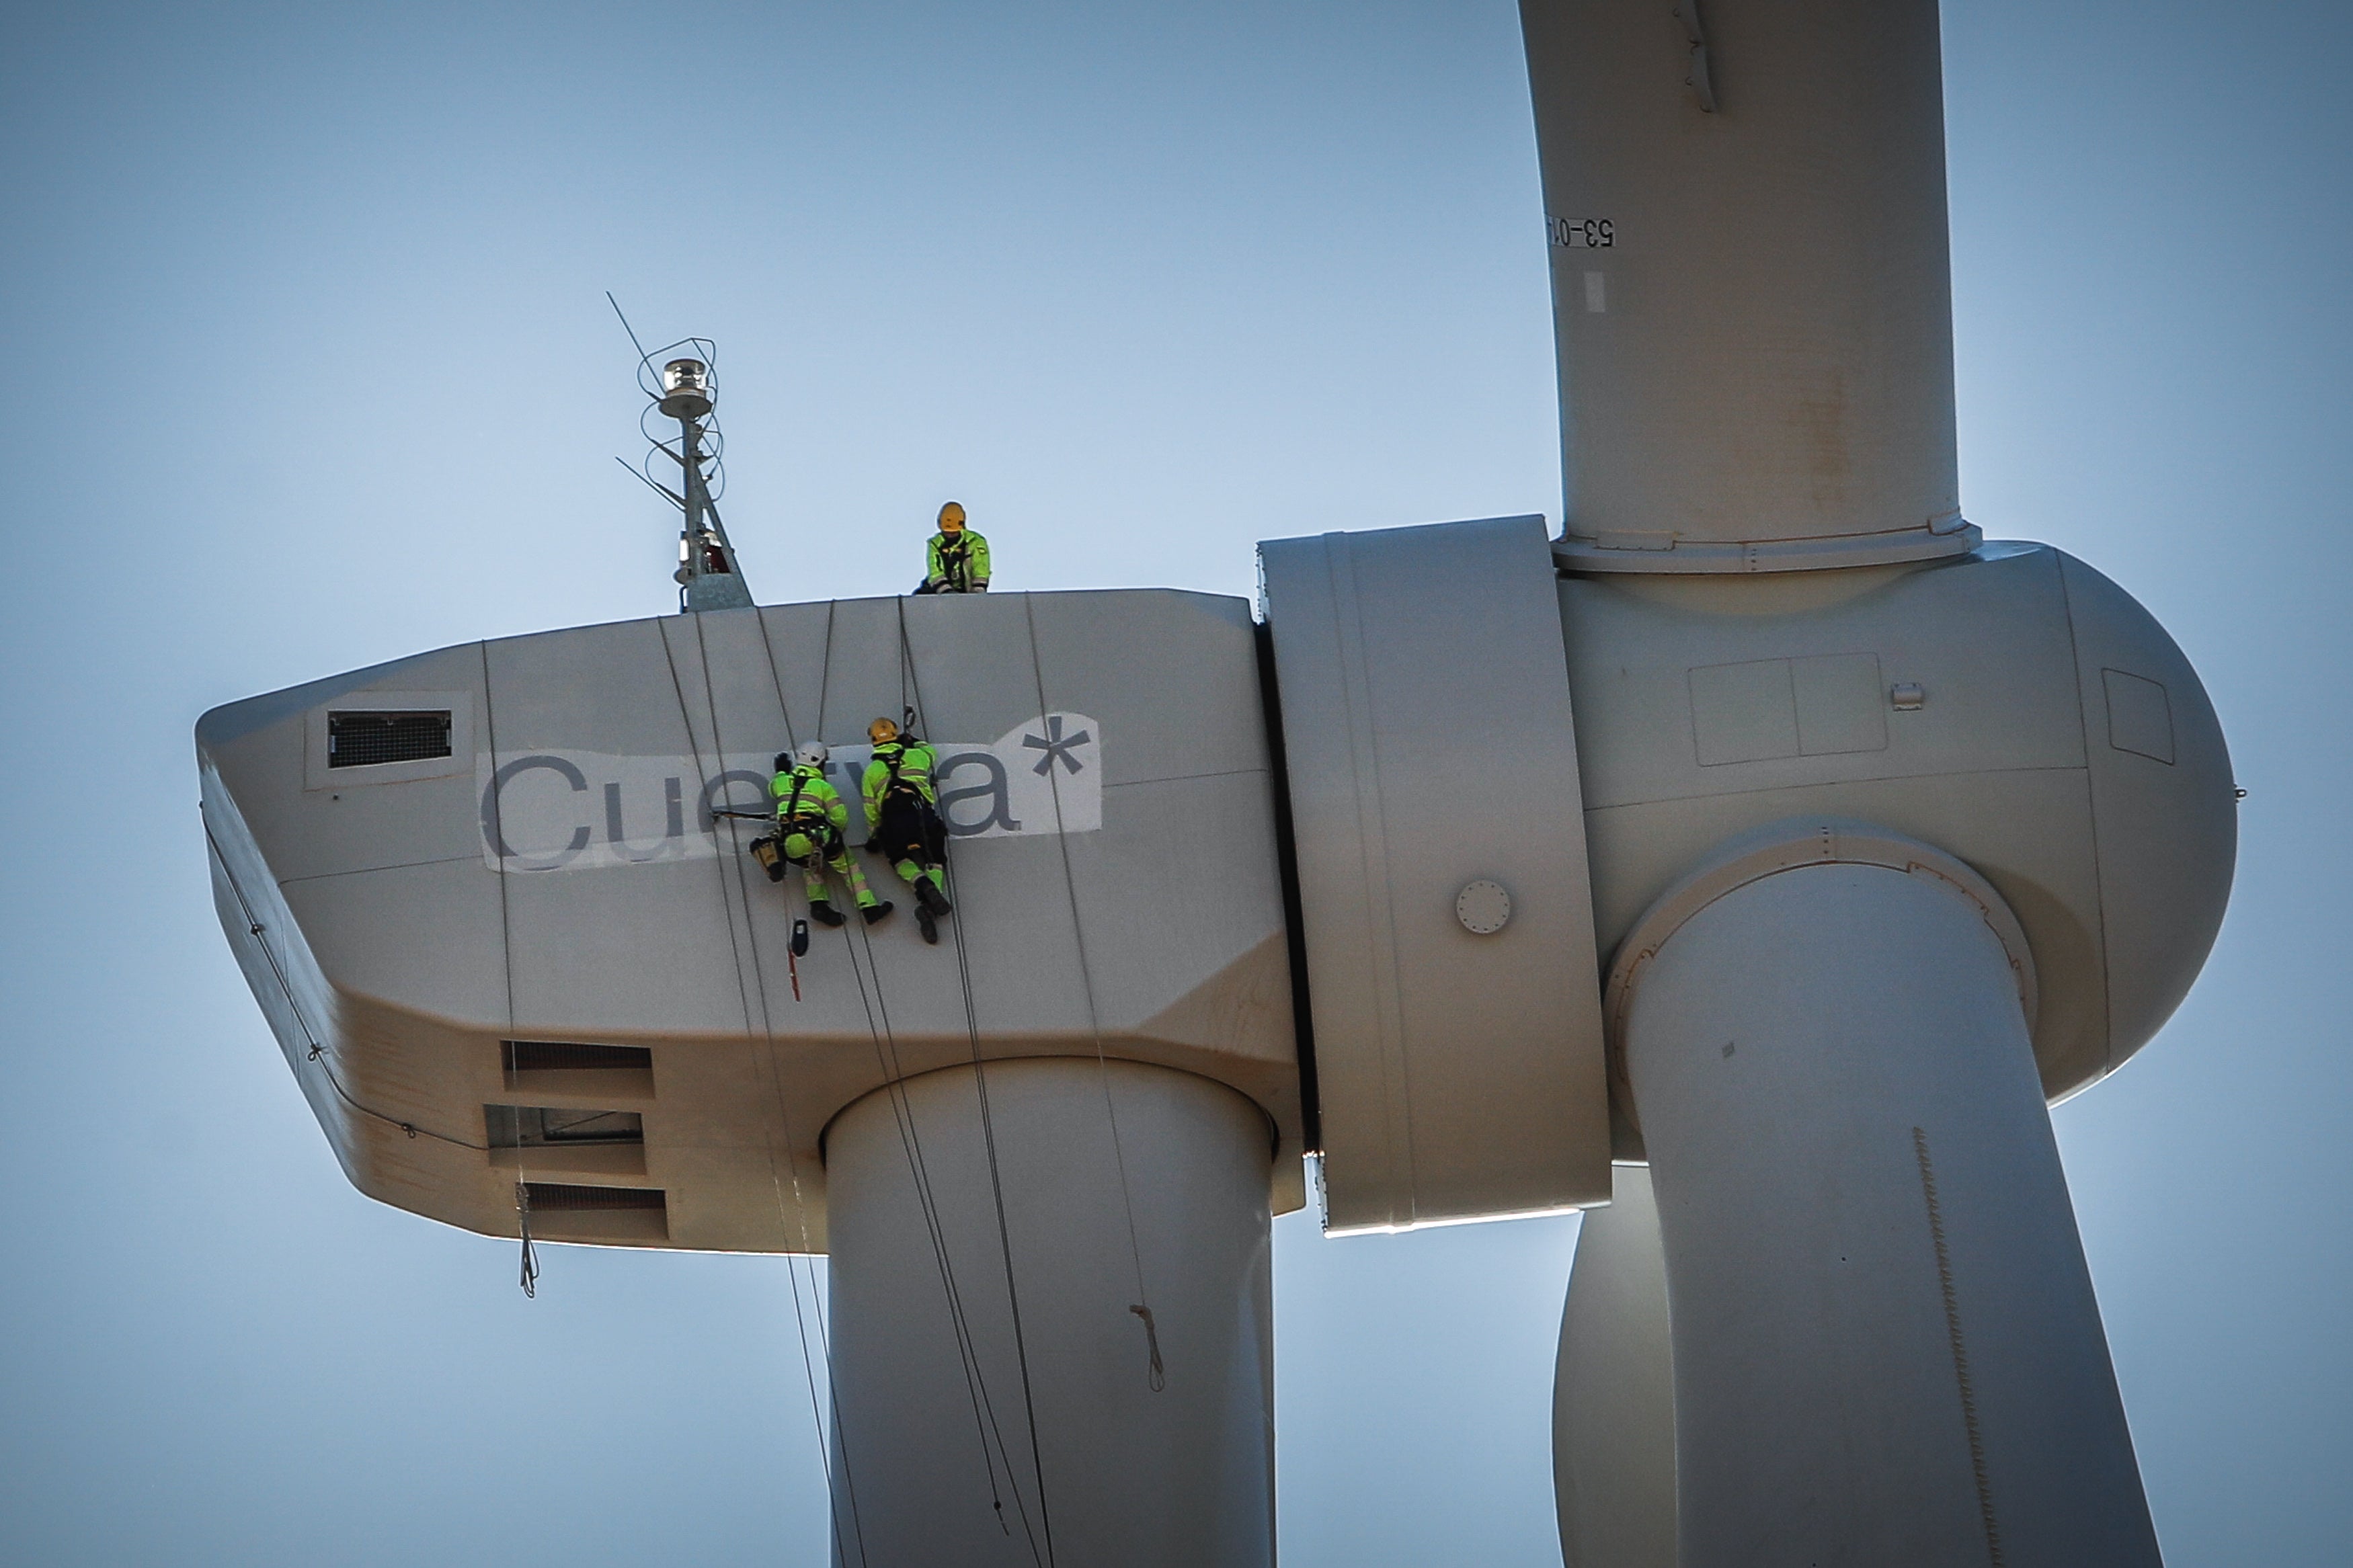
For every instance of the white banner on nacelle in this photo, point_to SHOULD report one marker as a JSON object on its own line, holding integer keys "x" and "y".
{"x": 561, "y": 810}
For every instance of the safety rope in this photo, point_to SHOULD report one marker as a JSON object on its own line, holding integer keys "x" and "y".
{"x": 878, "y": 1023}
{"x": 984, "y": 1409}
{"x": 825, "y": 669}
{"x": 528, "y": 1266}
{"x": 767, "y": 1025}
{"x": 1156, "y": 1374}
{"x": 988, "y": 1124}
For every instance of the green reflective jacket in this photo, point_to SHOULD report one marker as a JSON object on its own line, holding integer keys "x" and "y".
{"x": 959, "y": 563}
{"x": 804, "y": 792}
{"x": 913, "y": 761}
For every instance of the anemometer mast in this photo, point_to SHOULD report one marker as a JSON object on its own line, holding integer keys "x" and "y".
{"x": 707, "y": 574}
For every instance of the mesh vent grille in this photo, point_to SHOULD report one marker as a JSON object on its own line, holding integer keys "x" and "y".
{"x": 363, "y": 740}
{"x": 560, "y": 1197}
{"x": 562, "y": 1056}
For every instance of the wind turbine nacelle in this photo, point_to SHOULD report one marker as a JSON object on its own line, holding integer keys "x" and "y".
{"x": 482, "y": 897}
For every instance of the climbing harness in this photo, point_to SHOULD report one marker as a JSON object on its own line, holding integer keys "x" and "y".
{"x": 908, "y": 825}
{"x": 809, "y": 823}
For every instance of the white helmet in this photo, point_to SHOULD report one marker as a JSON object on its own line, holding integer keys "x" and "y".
{"x": 811, "y": 753}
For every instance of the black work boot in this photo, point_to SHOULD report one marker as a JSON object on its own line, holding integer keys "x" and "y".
{"x": 874, "y": 912}
{"x": 935, "y": 902}
{"x": 924, "y": 923}
{"x": 824, "y": 913}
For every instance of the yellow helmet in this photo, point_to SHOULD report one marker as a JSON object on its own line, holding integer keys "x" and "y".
{"x": 881, "y": 732}
{"x": 951, "y": 517}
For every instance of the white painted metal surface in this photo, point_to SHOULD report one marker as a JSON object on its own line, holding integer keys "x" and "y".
{"x": 1118, "y": 1473}
{"x": 1752, "y": 300}
{"x": 1885, "y": 1344}
{"x": 1708, "y": 707}
{"x": 1483, "y": 907}
{"x": 1430, "y": 742}
{"x": 1613, "y": 1454}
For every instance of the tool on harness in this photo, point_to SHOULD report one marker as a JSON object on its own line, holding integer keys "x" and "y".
{"x": 767, "y": 851}
{"x": 770, "y": 854}
{"x": 824, "y": 838}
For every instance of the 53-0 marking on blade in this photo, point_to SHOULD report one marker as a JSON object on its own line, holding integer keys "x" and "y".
{"x": 1582, "y": 232}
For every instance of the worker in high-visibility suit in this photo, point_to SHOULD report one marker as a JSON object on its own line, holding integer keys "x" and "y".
{"x": 959, "y": 562}
{"x": 810, "y": 818}
{"x": 903, "y": 819}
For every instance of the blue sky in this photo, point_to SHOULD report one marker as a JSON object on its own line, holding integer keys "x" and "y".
{"x": 311, "y": 367}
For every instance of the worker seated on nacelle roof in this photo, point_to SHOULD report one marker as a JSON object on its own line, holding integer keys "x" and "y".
{"x": 959, "y": 557}
{"x": 902, "y": 818}
{"x": 810, "y": 818}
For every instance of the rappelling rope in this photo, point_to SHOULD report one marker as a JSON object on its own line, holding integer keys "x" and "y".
{"x": 1156, "y": 1373}
{"x": 988, "y": 1129}
{"x": 794, "y": 1263}
{"x": 498, "y": 833}
{"x": 759, "y": 973}
{"x": 527, "y": 1266}
{"x": 792, "y": 958}
{"x": 911, "y": 1144}
{"x": 985, "y": 1422}
{"x": 903, "y": 1112}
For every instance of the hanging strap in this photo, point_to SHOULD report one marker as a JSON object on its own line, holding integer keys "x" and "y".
{"x": 522, "y": 1225}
